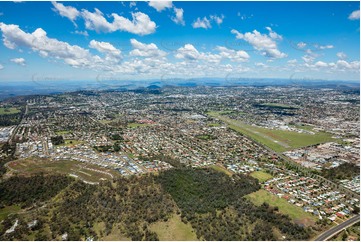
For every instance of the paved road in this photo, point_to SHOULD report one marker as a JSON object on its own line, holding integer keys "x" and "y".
{"x": 333, "y": 231}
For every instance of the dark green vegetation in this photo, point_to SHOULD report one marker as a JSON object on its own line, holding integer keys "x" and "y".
{"x": 8, "y": 150}
{"x": 167, "y": 159}
{"x": 57, "y": 140}
{"x": 127, "y": 206}
{"x": 204, "y": 190}
{"x": 210, "y": 203}
{"x": 206, "y": 137}
{"x": 215, "y": 206}
{"x": 25, "y": 190}
{"x": 11, "y": 115}
{"x": 116, "y": 137}
{"x": 344, "y": 171}
{"x": 108, "y": 148}
{"x": 277, "y": 105}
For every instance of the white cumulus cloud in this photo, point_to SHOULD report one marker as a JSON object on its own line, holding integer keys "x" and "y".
{"x": 261, "y": 42}
{"x": 84, "y": 33}
{"x": 188, "y": 51}
{"x": 205, "y": 23}
{"x": 202, "y": 23}
{"x": 217, "y": 19}
{"x": 104, "y": 47}
{"x": 323, "y": 47}
{"x": 66, "y": 11}
{"x": 145, "y": 50}
{"x": 19, "y": 61}
{"x": 140, "y": 24}
{"x": 160, "y": 5}
{"x": 341, "y": 55}
{"x": 178, "y": 18}
{"x": 38, "y": 41}
{"x": 233, "y": 55}
{"x": 321, "y": 64}
{"x": 301, "y": 45}
{"x": 273, "y": 34}
{"x": 355, "y": 15}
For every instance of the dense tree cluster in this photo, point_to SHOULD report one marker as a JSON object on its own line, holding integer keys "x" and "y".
{"x": 57, "y": 140}
{"x": 11, "y": 119}
{"x": 116, "y": 137}
{"x": 29, "y": 190}
{"x": 205, "y": 190}
{"x": 214, "y": 205}
{"x": 212, "y": 202}
{"x": 164, "y": 158}
{"x": 344, "y": 171}
{"x": 108, "y": 148}
{"x": 133, "y": 203}
{"x": 8, "y": 154}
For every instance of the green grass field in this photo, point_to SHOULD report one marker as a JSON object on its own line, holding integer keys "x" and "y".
{"x": 295, "y": 213}
{"x": 173, "y": 230}
{"x": 77, "y": 168}
{"x": 114, "y": 235}
{"x": 261, "y": 176}
{"x": 221, "y": 169}
{"x": 136, "y": 125}
{"x": 70, "y": 142}
{"x": 214, "y": 125}
{"x": 4, "y": 212}
{"x": 62, "y": 132}
{"x": 304, "y": 127}
{"x": 277, "y": 140}
{"x": 276, "y": 105}
{"x": 4, "y": 111}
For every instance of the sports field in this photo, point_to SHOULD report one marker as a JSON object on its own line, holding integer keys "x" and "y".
{"x": 277, "y": 140}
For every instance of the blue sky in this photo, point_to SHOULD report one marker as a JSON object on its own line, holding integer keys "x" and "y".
{"x": 163, "y": 40}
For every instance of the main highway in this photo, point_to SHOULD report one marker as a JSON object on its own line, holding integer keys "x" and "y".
{"x": 335, "y": 230}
